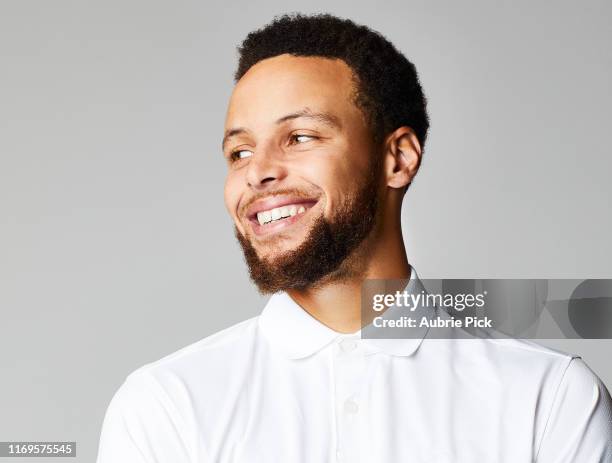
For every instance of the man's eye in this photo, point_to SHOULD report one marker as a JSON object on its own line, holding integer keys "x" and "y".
{"x": 240, "y": 154}
{"x": 301, "y": 138}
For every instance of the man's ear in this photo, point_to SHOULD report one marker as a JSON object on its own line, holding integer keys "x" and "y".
{"x": 402, "y": 157}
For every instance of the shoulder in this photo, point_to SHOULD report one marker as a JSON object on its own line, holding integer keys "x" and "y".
{"x": 521, "y": 349}
{"x": 488, "y": 350}
{"x": 228, "y": 341}
{"x": 521, "y": 369}
{"x": 204, "y": 359}
{"x": 200, "y": 366}
{"x": 579, "y": 423}
{"x": 161, "y": 396}
{"x": 531, "y": 361}
{"x": 531, "y": 364}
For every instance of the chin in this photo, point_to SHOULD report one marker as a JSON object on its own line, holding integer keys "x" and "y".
{"x": 275, "y": 247}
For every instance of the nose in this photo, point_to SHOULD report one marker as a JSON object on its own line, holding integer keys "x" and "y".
{"x": 265, "y": 169}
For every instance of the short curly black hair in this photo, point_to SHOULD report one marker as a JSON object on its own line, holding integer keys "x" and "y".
{"x": 387, "y": 90}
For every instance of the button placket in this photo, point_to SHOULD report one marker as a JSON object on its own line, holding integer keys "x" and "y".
{"x": 350, "y": 407}
{"x": 349, "y": 375}
{"x": 348, "y": 345}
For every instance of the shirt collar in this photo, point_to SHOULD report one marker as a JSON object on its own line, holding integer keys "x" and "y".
{"x": 297, "y": 334}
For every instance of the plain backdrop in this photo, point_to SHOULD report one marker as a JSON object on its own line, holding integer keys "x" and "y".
{"x": 115, "y": 245}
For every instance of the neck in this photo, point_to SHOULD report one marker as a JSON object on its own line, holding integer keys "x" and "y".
{"x": 337, "y": 302}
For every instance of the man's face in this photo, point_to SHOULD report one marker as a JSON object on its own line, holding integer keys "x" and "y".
{"x": 302, "y": 179}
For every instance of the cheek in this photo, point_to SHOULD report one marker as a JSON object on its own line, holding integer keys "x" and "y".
{"x": 334, "y": 174}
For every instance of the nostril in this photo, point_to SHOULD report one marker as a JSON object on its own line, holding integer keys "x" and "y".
{"x": 258, "y": 183}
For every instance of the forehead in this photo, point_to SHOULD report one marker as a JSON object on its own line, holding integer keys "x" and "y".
{"x": 283, "y": 84}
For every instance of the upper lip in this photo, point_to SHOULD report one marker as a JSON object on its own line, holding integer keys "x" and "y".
{"x": 272, "y": 202}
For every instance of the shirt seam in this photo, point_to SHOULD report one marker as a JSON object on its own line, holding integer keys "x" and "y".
{"x": 552, "y": 407}
{"x": 172, "y": 408}
{"x": 130, "y": 435}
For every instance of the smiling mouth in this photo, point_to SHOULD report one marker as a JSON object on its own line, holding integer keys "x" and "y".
{"x": 278, "y": 218}
{"x": 280, "y": 213}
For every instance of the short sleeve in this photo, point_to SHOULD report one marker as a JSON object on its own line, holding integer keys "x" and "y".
{"x": 141, "y": 425}
{"x": 579, "y": 428}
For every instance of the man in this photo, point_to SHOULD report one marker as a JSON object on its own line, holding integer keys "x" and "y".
{"x": 324, "y": 133}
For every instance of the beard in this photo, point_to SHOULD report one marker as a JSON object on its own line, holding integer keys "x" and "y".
{"x": 323, "y": 256}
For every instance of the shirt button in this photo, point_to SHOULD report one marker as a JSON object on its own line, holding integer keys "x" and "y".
{"x": 351, "y": 407}
{"x": 338, "y": 455}
{"x": 348, "y": 345}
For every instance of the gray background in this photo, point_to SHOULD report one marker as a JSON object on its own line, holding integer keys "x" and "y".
{"x": 115, "y": 245}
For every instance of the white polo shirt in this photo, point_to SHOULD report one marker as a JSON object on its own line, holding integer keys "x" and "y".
{"x": 283, "y": 387}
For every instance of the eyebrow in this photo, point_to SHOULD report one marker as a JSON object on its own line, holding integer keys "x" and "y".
{"x": 326, "y": 118}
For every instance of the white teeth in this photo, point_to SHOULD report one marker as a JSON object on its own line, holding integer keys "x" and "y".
{"x": 279, "y": 213}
